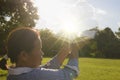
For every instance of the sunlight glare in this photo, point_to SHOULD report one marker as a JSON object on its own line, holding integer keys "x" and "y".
{"x": 58, "y": 14}
{"x": 69, "y": 25}
{"x": 69, "y": 30}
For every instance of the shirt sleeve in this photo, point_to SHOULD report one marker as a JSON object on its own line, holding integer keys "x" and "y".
{"x": 52, "y": 64}
{"x": 72, "y": 67}
{"x": 67, "y": 73}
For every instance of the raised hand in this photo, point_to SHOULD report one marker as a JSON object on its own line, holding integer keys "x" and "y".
{"x": 74, "y": 50}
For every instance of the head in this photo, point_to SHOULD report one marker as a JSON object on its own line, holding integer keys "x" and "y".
{"x": 24, "y": 47}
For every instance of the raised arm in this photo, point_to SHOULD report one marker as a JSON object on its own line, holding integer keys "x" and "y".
{"x": 69, "y": 72}
{"x": 73, "y": 64}
{"x": 57, "y": 61}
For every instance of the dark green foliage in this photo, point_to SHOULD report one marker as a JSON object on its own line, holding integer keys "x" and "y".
{"x": 15, "y": 13}
{"x": 104, "y": 45}
{"x": 51, "y": 44}
{"x": 108, "y": 44}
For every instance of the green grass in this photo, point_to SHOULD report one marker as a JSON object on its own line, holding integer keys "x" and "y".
{"x": 99, "y": 69}
{"x": 92, "y": 69}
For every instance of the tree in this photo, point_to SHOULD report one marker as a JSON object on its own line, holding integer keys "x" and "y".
{"x": 51, "y": 43}
{"x": 90, "y": 48}
{"x": 15, "y": 13}
{"x": 107, "y": 43}
{"x": 118, "y": 33}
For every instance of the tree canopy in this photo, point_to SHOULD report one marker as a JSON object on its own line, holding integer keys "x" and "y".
{"x": 15, "y": 13}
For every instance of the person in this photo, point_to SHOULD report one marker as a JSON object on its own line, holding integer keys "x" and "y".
{"x": 24, "y": 48}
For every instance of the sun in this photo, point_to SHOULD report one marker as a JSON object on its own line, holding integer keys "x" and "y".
{"x": 69, "y": 26}
{"x": 69, "y": 33}
{"x": 69, "y": 30}
{"x": 57, "y": 14}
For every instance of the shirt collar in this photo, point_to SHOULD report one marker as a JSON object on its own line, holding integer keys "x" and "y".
{"x": 19, "y": 70}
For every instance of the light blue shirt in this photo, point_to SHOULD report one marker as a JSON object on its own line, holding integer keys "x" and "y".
{"x": 50, "y": 71}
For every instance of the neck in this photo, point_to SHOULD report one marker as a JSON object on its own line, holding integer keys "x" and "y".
{"x": 23, "y": 64}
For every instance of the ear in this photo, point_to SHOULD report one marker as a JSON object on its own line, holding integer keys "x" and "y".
{"x": 23, "y": 56}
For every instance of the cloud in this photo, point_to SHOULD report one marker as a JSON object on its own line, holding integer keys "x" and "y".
{"x": 89, "y": 15}
{"x": 118, "y": 24}
{"x": 85, "y": 15}
{"x": 89, "y": 33}
{"x": 101, "y": 12}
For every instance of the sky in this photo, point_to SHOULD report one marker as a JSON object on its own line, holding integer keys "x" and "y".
{"x": 78, "y": 15}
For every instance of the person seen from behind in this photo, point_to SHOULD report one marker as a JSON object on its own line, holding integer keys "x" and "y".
{"x": 24, "y": 48}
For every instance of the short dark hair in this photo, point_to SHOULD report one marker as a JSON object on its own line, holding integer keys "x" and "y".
{"x": 20, "y": 39}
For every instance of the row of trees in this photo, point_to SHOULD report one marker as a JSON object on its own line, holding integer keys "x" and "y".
{"x": 105, "y": 44}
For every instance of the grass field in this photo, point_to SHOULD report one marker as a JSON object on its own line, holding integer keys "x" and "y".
{"x": 91, "y": 69}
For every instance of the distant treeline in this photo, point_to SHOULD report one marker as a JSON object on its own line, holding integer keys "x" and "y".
{"x": 105, "y": 44}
